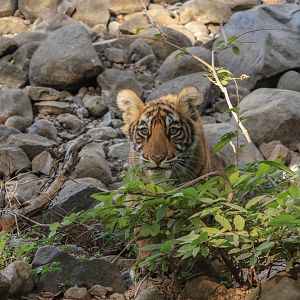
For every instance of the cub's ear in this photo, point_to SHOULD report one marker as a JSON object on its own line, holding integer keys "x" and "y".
{"x": 132, "y": 106}
{"x": 188, "y": 100}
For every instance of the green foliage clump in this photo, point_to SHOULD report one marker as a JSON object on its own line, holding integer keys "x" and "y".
{"x": 253, "y": 231}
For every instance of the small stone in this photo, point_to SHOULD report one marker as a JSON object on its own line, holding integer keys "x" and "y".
{"x": 12, "y": 75}
{"x": 13, "y": 159}
{"x": 12, "y": 25}
{"x": 39, "y": 93}
{"x": 42, "y": 163}
{"x": 4, "y": 287}
{"x": 44, "y": 128}
{"x": 204, "y": 287}
{"x": 7, "y": 8}
{"x": 289, "y": 81}
{"x": 119, "y": 150}
{"x": 98, "y": 290}
{"x": 115, "y": 55}
{"x": 117, "y": 296}
{"x": 52, "y": 107}
{"x": 77, "y": 293}
{"x": 82, "y": 113}
{"x": 70, "y": 121}
{"x": 150, "y": 294}
{"x": 17, "y": 122}
{"x": 103, "y": 133}
{"x": 281, "y": 152}
{"x": 267, "y": 148}
{"x": 5, "y": 132}
{"x": 20, "y": 277}
{"x": 96, "y": 105}
{"x": 7, "y": 45}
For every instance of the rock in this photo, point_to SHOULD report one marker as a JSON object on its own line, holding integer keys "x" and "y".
{"x": 204, "y": 11}
{"x": 50, "y": 22}
{"x": 12, "y": 25}
{"x": 7, "y": 45}
{"x": 5, "y": 132}
{"x": 92, "y": 12}
{"x": 289, "y": 81}
{"x": 267, "y": 148}
{"x": 40, "y": 93}
{"x": 98, "y": 290}
{"x": 74, "y": 197}
{"x": 82, "y": 272}
{"x": 32, "y": 9}
{"x": 150, "y": 294}
{"x": 13, "y": 159}
{"x": 77, "y": 293}
{"x": 52, "y": 107}
{"x": 43, "y": 163}
{"x": 295, "y": 165}
{"x": 115, "y": 55}
{"x": 119, "y": 150}
{"x": 277, "y": 286}
{"x": 32, "y": 144}
{"x": 199, "y": 31}
{"x": 96, "y": 105}
{"x": 44, "y": 128}
{"x": 17, "y": 122}
{"x": 109, "y": 77}
{"x": 23, "y": 56}
{"x": 135, "y": 24}
{"x": 203, "y": 287}
{"x": 66, "y": 7}
{"x": 12, "y": 76}
{"x": 8, "y": 7}
{"x": 93, "y": 164}
{"x": 273, "y": 116}
{"x": 162, "y": 50}
{"x": 70, "y": 121}
{"x": 237, "y": 5}
{"x": 24, "y": 188}
{"x": 20, "y": 277}
{"x": 162, "y": 16}
{"x": 24, "y": 38}
{"x": 178, "y": 64}
{"x": 263, "y": 58}
{"x": 175, "y": 85}
{"x": 127, "y": 6}
{"x": 4, "y": 287}
{"x": 137, "y": 50}
{"x": 249, "y": 153}
{"x": 65, "y": 59}
{"x": 15, "y": 103}
{"x": 281, "y": 152}
{"x": 103, "y": 133}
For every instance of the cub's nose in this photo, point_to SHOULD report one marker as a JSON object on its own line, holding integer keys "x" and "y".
{"x": 158, "y": 157}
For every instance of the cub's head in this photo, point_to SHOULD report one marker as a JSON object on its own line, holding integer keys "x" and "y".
{"x": 166, "y": 133}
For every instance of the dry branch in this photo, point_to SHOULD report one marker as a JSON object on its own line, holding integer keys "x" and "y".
{"x": 9, "y": 221}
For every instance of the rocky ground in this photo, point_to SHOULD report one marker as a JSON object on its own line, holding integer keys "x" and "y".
{"x": 62, "y": 63}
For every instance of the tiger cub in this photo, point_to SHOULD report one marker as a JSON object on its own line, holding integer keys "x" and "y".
{"x": 167, "y": 134}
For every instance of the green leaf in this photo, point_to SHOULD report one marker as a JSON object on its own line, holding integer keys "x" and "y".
{"x": 253, "y": 262}
{"x": 265, "y": 246}
{"x": 195, "y": 251}
{"x": 151, "y": 247}
{"x": 158, "y": 36}
{"x": 149, "y": 230}
{"x": 278, "y": 165}
{"x": 218, "y": 44}
{"x": 294, "y": 191}
{"x": 210, "y": 230}
{"x": 262, "y": 169}
{"x": 231, "y": 39}
{"x": 254, "y": 201}
{"x": 239, "y": 222}
{"x": 223, "y": 221}
{"x": 167, "y": 246}
{"x": 236, "y": 50}
{"x": 224, "y": 140}
{"x": 204, "y": 251}
{"x": 161, "y": 213}
{"x": 284, "y": 219}
{"x": 244, "y": 256}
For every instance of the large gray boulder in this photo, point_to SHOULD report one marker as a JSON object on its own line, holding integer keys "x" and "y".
{"x": 15, "y": 103}
{"x": 178, "y": 64}
{"x": 273, "y": 115}
{"x": 82, "y": 272}
{"x": 248, "y": 153}
{"x": 273, "y": 31}
{"x": 92, "y": 12}
{"x": 65, "y": 60}
{"x": 33, "y": 9}
{"x": 4, "y": 287}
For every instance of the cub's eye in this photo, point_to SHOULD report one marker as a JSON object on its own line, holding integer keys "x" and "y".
{"x": 144, "y": 131}
{"x": 174, "y": 130}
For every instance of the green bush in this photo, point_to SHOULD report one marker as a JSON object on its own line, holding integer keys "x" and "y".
{"x": 253, "y": 231}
